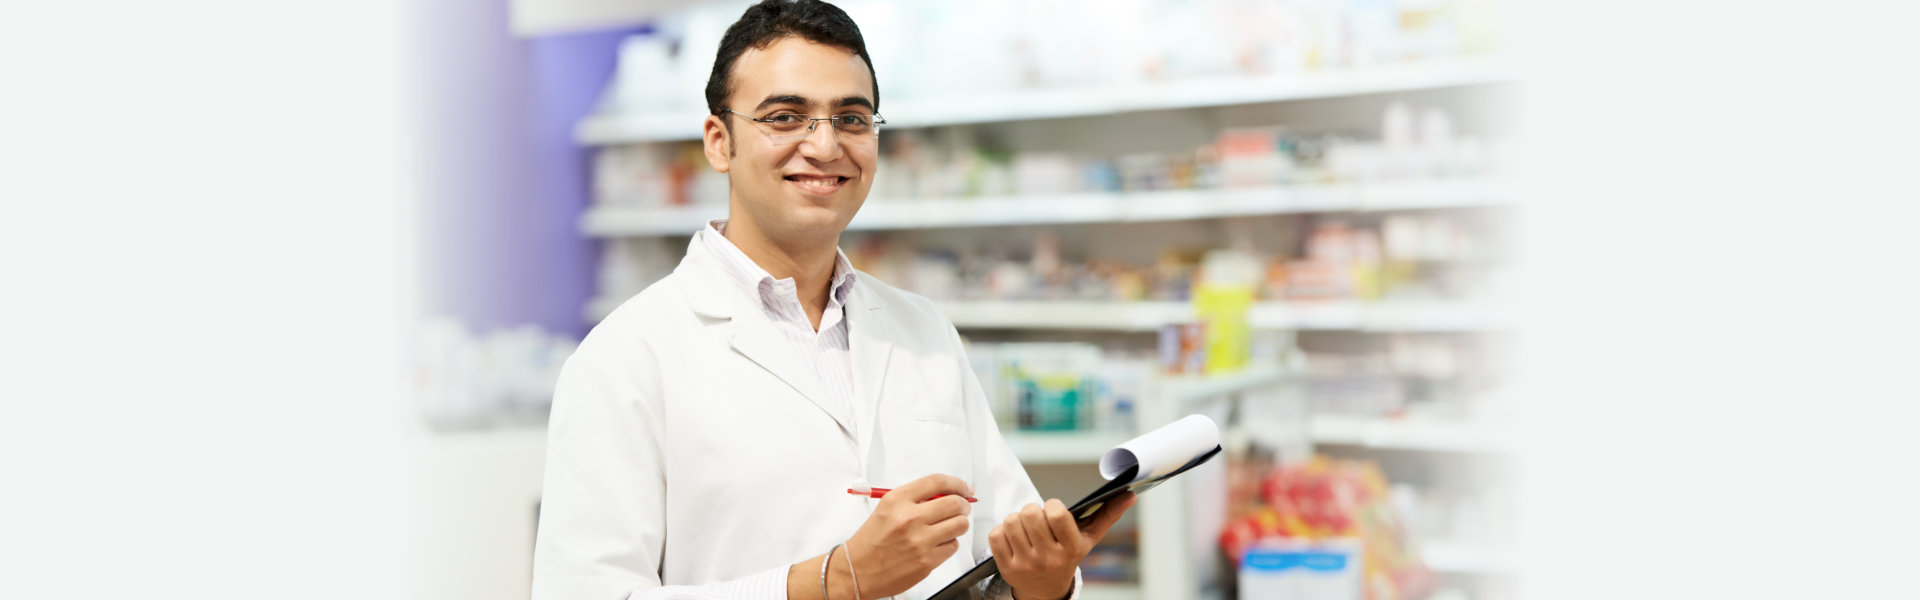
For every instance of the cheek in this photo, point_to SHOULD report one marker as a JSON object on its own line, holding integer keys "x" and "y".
{"x": 868, "y": 161}
{"x": 765, "y": 159}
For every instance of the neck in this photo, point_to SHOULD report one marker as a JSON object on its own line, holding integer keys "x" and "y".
{"x": 808, "y": 262}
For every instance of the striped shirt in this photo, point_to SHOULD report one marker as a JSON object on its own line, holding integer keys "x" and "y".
{"x": 825, "y": 349}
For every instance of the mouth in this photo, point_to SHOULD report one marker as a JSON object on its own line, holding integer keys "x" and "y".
{"x": 819, "y": 185}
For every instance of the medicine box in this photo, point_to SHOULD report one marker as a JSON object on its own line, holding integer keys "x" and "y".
{"x": 1302, "y": 570}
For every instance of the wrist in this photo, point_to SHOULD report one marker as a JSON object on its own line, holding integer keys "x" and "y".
{"x": 803, "y": 578}
{"x": 1033, "y": 593}
{"x": 844, "y": 580}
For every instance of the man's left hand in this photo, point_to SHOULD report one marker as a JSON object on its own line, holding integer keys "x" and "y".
{"x": 1038, "y": 547}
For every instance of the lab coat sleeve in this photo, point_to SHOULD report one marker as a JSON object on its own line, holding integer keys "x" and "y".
{"x": 999, "y": 479}
{"x": 601, "y": 514}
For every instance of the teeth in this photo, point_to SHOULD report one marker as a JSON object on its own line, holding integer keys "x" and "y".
{"x": 817, "y": 184}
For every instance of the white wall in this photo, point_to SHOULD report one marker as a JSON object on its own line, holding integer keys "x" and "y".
{"x": 472, "y": 514}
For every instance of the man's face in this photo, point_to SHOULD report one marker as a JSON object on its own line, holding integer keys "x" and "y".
{"x": 807, "y": 185}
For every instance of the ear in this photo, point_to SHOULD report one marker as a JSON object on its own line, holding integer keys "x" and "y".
{"x": 717, "y": 143}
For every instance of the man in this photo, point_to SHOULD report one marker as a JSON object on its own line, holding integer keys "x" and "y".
{"x": 704, "y": 435}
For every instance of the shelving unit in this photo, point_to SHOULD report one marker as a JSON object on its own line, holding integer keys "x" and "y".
{"x": 1151, "y": 316}
{"x": 1110, "y": 591}
{"x": 1412, "y": 435}
{"x": 1020, "y": 105}
{"x": 1169, "y": 569}
{"x": 1061, "y": 448}
{"x": 1139, "y": 207}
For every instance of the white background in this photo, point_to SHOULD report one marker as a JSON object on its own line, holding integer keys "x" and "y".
{"x": 1723, "y": 306}
{"x": 206, "y": 275}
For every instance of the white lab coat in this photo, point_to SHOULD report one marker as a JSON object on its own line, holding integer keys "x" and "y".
{"x": 692, "y": 446}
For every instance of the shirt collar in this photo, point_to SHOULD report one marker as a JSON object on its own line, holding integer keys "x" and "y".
{"x": 758, "y": 283}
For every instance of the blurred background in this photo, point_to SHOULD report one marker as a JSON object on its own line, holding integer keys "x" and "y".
{"x": 1492, "y": 299}
{"x": 1294, "y": 217}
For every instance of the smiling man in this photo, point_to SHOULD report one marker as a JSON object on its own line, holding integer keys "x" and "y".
{"x": 706, "y": 434}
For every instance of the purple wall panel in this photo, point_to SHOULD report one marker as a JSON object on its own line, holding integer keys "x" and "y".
{"x": 502, "y": 184}
{"x": 570, "y": 72}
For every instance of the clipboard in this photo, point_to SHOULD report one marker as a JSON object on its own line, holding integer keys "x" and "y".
{"x": 967, "y": 586}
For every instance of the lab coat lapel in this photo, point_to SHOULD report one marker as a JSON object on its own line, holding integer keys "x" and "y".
{"x": 750, "y": 333}
{"x": 870, "y": 339}
{"x": 755, "y": 337}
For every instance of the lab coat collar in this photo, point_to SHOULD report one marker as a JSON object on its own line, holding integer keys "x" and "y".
{"x": 708, "y": 293}
{"x": 870, "y": 337}
{"x": 711, "y": 295}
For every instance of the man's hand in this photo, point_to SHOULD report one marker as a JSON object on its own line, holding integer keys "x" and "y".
{"x": 909, "y": 534}
{"x": 1038, "y": 548}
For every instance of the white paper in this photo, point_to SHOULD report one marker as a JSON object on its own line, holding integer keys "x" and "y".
{"x": 1162, "y": 450}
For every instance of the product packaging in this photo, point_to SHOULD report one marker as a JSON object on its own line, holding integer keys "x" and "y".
{"x": 1282, "y": 569}
{"x": 1222, "y": 300}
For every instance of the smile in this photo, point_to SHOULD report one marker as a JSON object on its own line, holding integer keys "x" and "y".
{"x": 818, "y": 184}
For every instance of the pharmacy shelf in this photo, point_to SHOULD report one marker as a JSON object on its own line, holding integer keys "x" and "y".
{"x": 1398, "y": 317}
{"x": 1194, "y": 388}
{"x": 1077, "y": 447}
{"x": 1087, "y": 316}
{"x": 1297, "y": 316}
{"x": 1462, "y": 558}
{"x": 1420, "y": 435}
{"x": 1062, "y": 447}
{"x": 1020, "y": 105}
{"x": 1110, "y": 591}
{"x": 1106, "y": 207}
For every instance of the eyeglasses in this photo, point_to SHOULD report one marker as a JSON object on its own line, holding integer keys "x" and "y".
{"x": 787, "y": 127}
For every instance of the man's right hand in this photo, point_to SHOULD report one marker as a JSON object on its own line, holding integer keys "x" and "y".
{"x": 909, "y": 533}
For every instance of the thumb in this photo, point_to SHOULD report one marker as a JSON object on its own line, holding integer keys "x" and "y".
{"x": 1096, "y": 527}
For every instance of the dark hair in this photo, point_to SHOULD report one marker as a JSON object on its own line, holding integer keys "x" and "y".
{"x": 770, "y": 20}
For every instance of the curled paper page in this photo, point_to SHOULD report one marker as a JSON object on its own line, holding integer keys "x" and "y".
{"x": 1136, "y": 466}
{"x": 1162, "y": 451}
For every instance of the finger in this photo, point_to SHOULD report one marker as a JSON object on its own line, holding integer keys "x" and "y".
{"x": 1016, "y": 534}
{"x": 1060, "y": 522}
{"x": 946, "y": 550}
{"x": 950, "y": 529}
{"x": 1097, "y": 526}
{"x": 932, "y": 485}
{"x": 1033, "y": 520}
{"x": 997, "y": 541}
{"x": 943, "y": 508}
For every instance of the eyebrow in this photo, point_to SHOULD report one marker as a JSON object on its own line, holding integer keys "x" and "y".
{"x": 798, "y": 100}
{"x": 779, "y": 99}
{"x": 854, "y": 101}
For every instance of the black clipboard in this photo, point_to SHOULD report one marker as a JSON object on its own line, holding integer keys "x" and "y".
{"x": 967, "y": 587}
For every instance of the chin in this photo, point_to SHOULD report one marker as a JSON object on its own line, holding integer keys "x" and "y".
{"x": 836, "y": 209}
{"x": 818, "y": 219}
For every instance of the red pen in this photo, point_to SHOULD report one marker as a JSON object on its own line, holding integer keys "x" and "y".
{"x": 874, "y": 492}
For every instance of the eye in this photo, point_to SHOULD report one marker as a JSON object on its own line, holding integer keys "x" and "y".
{"x": 784, "y": 118}
{"x": 853, "y": 120}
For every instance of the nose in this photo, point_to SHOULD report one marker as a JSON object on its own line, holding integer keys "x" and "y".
{"x": 822, "y": 143}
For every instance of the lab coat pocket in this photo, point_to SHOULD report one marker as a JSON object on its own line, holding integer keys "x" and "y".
{"x": 938, "y": 446}
{"x": 949, "y": 415}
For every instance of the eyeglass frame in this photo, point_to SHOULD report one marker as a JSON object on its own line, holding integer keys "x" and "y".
{"x": 812, "y": 122}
